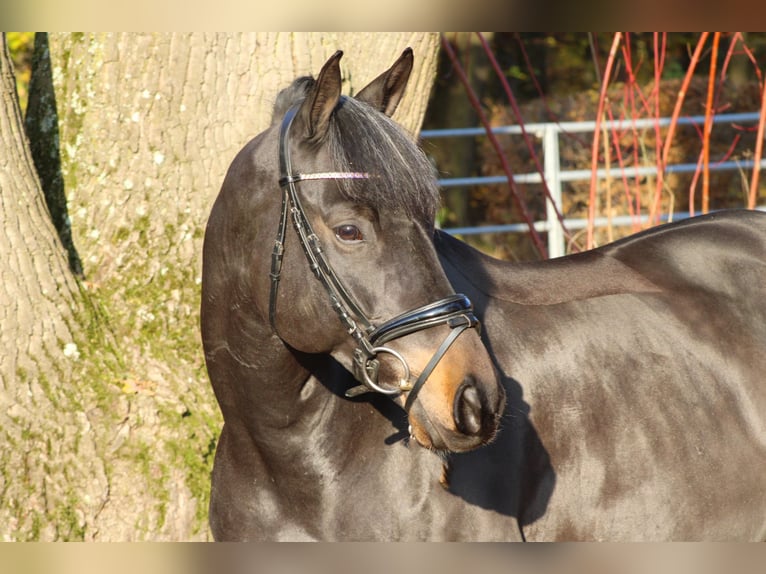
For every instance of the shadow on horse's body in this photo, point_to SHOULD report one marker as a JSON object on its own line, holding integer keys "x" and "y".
{"x": 627, "y": 381}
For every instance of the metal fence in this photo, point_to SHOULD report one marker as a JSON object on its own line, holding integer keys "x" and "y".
{"x": 554, "y": 176}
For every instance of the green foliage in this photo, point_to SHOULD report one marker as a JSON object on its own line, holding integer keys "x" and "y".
{"x": 21, "y": 46}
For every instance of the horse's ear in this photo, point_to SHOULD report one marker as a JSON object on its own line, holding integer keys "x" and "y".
{"x": 322, "y": 99}
{"x": 385, "y": 91}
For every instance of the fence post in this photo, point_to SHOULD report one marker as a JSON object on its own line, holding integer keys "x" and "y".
{"x": 551, "y": 167}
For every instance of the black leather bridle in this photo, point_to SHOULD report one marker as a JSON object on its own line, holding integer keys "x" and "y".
{"x": 456, "y": 311}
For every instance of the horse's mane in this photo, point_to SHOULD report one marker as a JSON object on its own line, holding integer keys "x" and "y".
{"x": 361, "y": 138}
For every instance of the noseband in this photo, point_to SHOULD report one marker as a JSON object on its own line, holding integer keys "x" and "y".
{"x": 456, "y": 311}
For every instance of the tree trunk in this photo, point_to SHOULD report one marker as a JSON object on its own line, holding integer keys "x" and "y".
{"x": 45, "y": 422}
{"x": 109, "y": 422}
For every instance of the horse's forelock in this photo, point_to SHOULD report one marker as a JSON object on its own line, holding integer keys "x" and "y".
{"x": 401, "y": 179}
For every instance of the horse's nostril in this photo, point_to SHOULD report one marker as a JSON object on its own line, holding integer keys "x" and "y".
{"x": 467, "y": 410}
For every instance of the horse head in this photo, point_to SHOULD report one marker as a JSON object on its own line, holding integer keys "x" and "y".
{"x": 334, "y": 250}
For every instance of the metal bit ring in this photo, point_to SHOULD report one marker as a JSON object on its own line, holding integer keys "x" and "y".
{"x": 404, "y": 383}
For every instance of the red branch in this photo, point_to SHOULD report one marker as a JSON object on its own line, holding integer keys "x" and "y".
{"x": 654, "y": 213}
{"x": 474, "y": 100}
{"x": 758, "y": 152}
{"x": 520, "y": 122}
{"x": 659, "y": 64}
{"x": 596, "y": 134}
{"x": 708, "y": 129}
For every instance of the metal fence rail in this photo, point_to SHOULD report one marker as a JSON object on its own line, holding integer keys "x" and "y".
{"x": 554, "y": 176}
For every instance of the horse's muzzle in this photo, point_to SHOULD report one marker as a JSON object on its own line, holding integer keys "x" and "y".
{"x": 475, "y": 421}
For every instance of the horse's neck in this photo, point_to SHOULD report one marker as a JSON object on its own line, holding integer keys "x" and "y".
{"x": 280, "y": 397}
{"x": 551, "y": 282}
{"x": 305, "y": 443}
{"x": 256, "y": 378}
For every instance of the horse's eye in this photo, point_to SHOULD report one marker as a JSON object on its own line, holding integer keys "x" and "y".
{"x": 348, "y": 233}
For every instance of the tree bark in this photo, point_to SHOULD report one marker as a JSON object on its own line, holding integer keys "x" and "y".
{"x": 45, "y": 424}
{"x": 43, "y": 131}
{"x": 108, "y": 419}
{"x": 152, "y": 121}
{"x": 149, "y": 125}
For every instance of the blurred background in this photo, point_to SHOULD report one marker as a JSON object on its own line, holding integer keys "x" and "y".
{"x": 523, "y": 78}
{"x": 529, "y": 79}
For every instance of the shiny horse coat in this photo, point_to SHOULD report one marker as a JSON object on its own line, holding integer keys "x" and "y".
{"x": 636, "y": 384}
{"x": 301, "y": 454}
{"x": 627, "y": 382}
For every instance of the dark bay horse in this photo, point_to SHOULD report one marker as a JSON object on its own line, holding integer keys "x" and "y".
{"x": 626, "y": 382}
